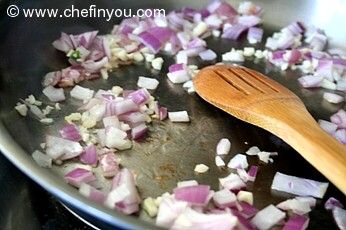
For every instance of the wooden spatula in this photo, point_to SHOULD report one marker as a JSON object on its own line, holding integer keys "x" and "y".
{"x": 254, "y": 98}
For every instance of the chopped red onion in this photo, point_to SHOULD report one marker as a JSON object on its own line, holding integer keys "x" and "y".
{"x": 116, "y": 138}
{"x": 54, "y": 94}
{"x": 197, "y": 194}
{"x": 223, "y": 147}
{"x": 150, "y": 41}
{"x": 299, "y": 186}
{"x": 310, "y": 81}
{"x": 139, "y": 131}
{"x": 191, "y": 220}
{"x": 78, "y": 176}
{"x": 94, "y": 66}
{"x": 243, "y": 223}
{"x": 246, "y": 210}
{"x": 124, "y": 192}
{"x": 254, "y": 35}
{"x": 268, "y": 217}
{"x": 233, "y": 32}
{"x": 133, "y": 117}
{"x": 125, "y": 106}
{"x": 109, "y": 165}
{"x": 179, "y": 116}
{"x": 140, "y": 96}
{"x": 179, "y": 76}
{"x": 42, "y": 159}
{"x": 163, "y": 113}
{"x": 59, "y": 148}
{"x": 299, "y": 207}
{"x": 169, "y": 210}
{"x": 249, "y": 20}
{"x": 70, "y": 132}
{"x": 310, "y": 200}
{"x": 252, "y": 173}
{"x": 224, "y": 198}
{"x": 331, "y": 203}
{"x": 82, "y": 93}
{"x": 339, "y": 118}
{"x": 207, "y": 55}
{"x": 147, "y": 83}
{"x": 239, "y": 161}
{"x": 340, "y": 135}
{"x": 89, "y": 155}
{"x": 333, "y": 98}
{"x": 339, "y": 216}
{"x": 92, "y": 193}
{"x": 327, "y": 126}
{"x": 176, "y": 67}
{"x": 232, "y": 182}
{"x": 297, "y": 223}
{"x": 111, "y": 121}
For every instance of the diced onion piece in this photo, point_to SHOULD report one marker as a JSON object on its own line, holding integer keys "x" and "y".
{"x": 92, "y": 193}
{"x": 109, "y": 165}
{"x": 201, "y": 168}
{"x": 169, "y": 210}
{"x": 54, "y": 94}
{"x": 253, "y": 151}
{"x": 310, "y": 81}
{"x": 333, "y": 98}
{"x": 219, "y": 162}
{"x": 191, "y": 220}
{"x": 268, "y": 217}
{"x": 252, "y": 173}
{"x": 140, "y": 96}
{"x": 42, "y": 159}
{"x": 224, "y": 198}
{"x": 232, "y": 182}
{"x": 70, "y": 132}
{"x": 59, "y": 148}
{"x": 297, "y": 223}
{"x": 207, "y": 55}
{"x": 82, "y": 93}
{"x": 179, "y": 116}
{"x": 223, "y": 147}
{"x": 238, "y": 161}
{"x": 327, "y": 126}
{"x": 78, "y": 176}
{"x": 331, "y": 203}
{"x": 264, "y": 156}
{"x": 195, "y": 194}
{"x": 116, "y": 138}
{"x": 187, "y": 183}
{"x": 339, "y": 216}
{"x": 299, "y": 186}
{"x": 299, "y": 207}
{"x": 254, "y": 35}
{"x": 179, "y": 76}
{"x": 339, "y": 118}
{"x": 89, "y": 155}
{"x": 147, "y": 83}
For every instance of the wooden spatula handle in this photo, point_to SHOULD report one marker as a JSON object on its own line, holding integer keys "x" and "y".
{"x": 299, "y": 129}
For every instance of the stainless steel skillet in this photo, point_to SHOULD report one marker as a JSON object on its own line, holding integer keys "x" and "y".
{"x": 173, "y": 150}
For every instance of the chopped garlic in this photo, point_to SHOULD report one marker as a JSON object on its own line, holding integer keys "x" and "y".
{"x": 216, "y": 33}
{"x": 138, "y": 57}
{"x": 150, "y": 206}
{"x": 233, "y": 55}
{"x": 46, "y": 121}
{"x": 191, "y": 90}
{"x": 201, "y": 168}
{"x": 43, "y": 145}
{"x": 157, "y": 63}
{"x": 259, "y": 54}
{"x": 73, "y": 117}
{"x": 188, "y": 84}
{"x": 38, "y": 103}
{"x": 57, "y": 106}
{"x": 245, "y": 196}
{"x": 264, "y": 156}
{"x": 31, "y": 99}
{"x": 149, "y": 57}
{"x": 117, "y": 90}
{"x": 219, "y": 162}
{"x": 47, "y": 110}
{"x": 104, "y": 73}
{"x": 249, "y": 51}
{"x": 22, "y": 109}
{"x": 200, "y": 29}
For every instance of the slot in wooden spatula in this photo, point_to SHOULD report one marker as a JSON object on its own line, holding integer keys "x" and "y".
{"x": 256, "y": 99}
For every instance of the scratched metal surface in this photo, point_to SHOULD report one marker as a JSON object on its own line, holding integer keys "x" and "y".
{"x": 172, "y": 150}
